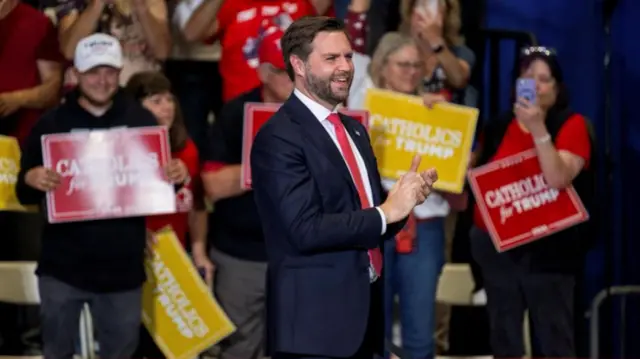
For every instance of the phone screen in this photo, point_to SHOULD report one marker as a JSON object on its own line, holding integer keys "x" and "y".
{"x": 526, "y": 89}
{"x": 427, "y": 6}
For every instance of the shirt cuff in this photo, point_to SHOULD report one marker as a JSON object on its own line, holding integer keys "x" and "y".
{"x": 384, "y": 221}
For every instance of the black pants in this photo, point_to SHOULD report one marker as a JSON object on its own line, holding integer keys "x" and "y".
{"x": 512, "y": 287}
{"x": 373, "y": 342}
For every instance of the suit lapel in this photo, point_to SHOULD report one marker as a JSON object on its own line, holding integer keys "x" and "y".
{"x": 318, "y": 136}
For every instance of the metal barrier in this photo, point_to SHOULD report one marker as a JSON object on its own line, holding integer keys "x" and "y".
{"x": 594, "y": 313}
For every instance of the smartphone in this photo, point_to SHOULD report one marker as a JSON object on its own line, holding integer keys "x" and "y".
{"x": 526, "y": 89}
{"x": 427, "y": 7}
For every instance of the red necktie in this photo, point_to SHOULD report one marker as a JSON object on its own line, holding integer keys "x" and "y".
{"x": 375, "y": 257}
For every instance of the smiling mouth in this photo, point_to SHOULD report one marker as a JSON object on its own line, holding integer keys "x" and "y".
{"x": 341, "y": 80}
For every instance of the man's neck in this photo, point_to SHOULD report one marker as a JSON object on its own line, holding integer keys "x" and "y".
{"x": 6, "y": 7}
{"x": 315, "y": 98}
{"x": 96, "y": 110}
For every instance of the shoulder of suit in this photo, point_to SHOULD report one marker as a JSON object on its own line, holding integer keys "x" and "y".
{"x": 281, "y": 125}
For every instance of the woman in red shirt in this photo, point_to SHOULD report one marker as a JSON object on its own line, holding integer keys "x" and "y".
{"x": 539, "y": 276}
{"x": 153, "y": 90}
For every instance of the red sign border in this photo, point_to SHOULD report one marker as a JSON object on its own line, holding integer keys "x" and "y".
{"x": 353, "y": 113}
{"x": 247, "y": 130}
{"x": 45, "y": 140}
{"x": 517, "y": 241}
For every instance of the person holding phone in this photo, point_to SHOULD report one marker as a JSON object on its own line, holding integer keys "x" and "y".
{"x": 539, "y": 277}
{"x": 435, "y": 24}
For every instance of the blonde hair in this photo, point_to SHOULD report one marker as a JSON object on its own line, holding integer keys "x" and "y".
{"x": 451, "y": 24}
{"x": 389, "y": 44}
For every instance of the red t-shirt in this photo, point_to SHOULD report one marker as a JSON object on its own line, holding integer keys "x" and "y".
{"x": 26, "y": 37}
{"x": 573, "y": 137}
{"x": 179, "y": 221}
{"x": 239, "y": 24}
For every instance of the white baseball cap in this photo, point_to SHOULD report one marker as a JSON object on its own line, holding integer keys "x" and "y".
{"x": 98, "y": 50}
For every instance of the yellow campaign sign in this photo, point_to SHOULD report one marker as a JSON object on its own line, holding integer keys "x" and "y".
{"x": 178, "y": 308}
{"x": 9, "y": 168}
{"x": 401, "y": 126}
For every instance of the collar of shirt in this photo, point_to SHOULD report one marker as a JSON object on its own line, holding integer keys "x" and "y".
{"x": 319, "y": 111}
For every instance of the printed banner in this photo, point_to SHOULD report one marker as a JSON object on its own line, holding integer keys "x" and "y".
{"x": 401, "y": 126}
{"x": 257, "y": 114}
{"x": 518, "y": 206}
{"x": 9, "y": 169}
{"x": 178, "y": 308}
{"x": 108, "y": 174}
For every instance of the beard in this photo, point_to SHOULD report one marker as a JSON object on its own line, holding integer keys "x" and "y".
{"x": 321, "y": 87}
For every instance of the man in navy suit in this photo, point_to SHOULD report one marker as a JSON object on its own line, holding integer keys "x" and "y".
{"x": 323, "y": 211}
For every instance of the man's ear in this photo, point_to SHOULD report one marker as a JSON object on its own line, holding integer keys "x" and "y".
{"x": 298, "y": 65}
{"x": 263, "y": 72}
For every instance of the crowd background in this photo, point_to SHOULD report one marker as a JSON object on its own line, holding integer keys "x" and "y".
{"x": 599, "y": 55}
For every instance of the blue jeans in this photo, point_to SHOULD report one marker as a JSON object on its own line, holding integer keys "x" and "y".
{"x": 414, "y": 278}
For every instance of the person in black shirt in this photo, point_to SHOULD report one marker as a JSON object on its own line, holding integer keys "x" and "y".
{"x": 234, "y": 226}
{"x": 99, "y": 262}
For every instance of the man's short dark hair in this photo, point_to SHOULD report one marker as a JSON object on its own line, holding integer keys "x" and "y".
{"x": 301, "y": 33}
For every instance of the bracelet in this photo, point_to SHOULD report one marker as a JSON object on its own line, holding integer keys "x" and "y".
{"x": 544, "y": 139}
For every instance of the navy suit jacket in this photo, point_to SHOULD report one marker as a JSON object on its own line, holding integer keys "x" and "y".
{"x": 316, "y": 233}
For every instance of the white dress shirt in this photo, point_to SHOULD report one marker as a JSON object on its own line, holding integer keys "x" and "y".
{"x": 321, "y": 113}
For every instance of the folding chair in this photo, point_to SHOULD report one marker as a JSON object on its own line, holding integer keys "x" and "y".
{"x": 20, "y": 286}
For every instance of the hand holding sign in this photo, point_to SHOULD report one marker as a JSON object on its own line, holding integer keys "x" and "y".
{"x": 176, "y": 171}
{"x": 410, "y": 190}
{"x": 42, "y": 179}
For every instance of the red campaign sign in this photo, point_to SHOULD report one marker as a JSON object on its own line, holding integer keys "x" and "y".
{"x": 109, "y": 174}
{"x": 517, "y": 205}
{"x": 257, "y": 114}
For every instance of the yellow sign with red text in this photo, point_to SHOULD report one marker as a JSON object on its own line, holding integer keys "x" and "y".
{"x": 401, "y": 126}
{"x": 178, "y": 308}
{"x": 9, "y": 168}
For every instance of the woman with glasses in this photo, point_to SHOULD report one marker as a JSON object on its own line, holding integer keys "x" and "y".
{"x": 397, "y": 65}
{"x": 540, "y": 276}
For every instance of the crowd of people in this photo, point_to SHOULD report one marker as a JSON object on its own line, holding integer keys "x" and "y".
{"x": 192, "y": 65}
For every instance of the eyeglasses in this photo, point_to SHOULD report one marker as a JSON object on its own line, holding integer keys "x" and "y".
{"x": 531, "y": 50}
{"x": 407, "y": 65}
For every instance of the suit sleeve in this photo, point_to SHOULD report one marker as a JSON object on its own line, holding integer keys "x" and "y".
{"x": 286, "y": 192}
{"x": 390, "y": 230}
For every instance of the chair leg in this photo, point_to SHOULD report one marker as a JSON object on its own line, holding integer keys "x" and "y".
{"x": 527, "y": 336}
{"x": 87, "y": 342}
{"x": 83, "y": 336}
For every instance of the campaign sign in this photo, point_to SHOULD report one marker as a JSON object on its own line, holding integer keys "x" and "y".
{"x": 517, "y": 204}
{"x": 9, "y": 169}
{"x": 109, "y": 174}
{"x": 401, "y": 126}
{"x": 257, "y": 114}
{"x": 178, "y": 308}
